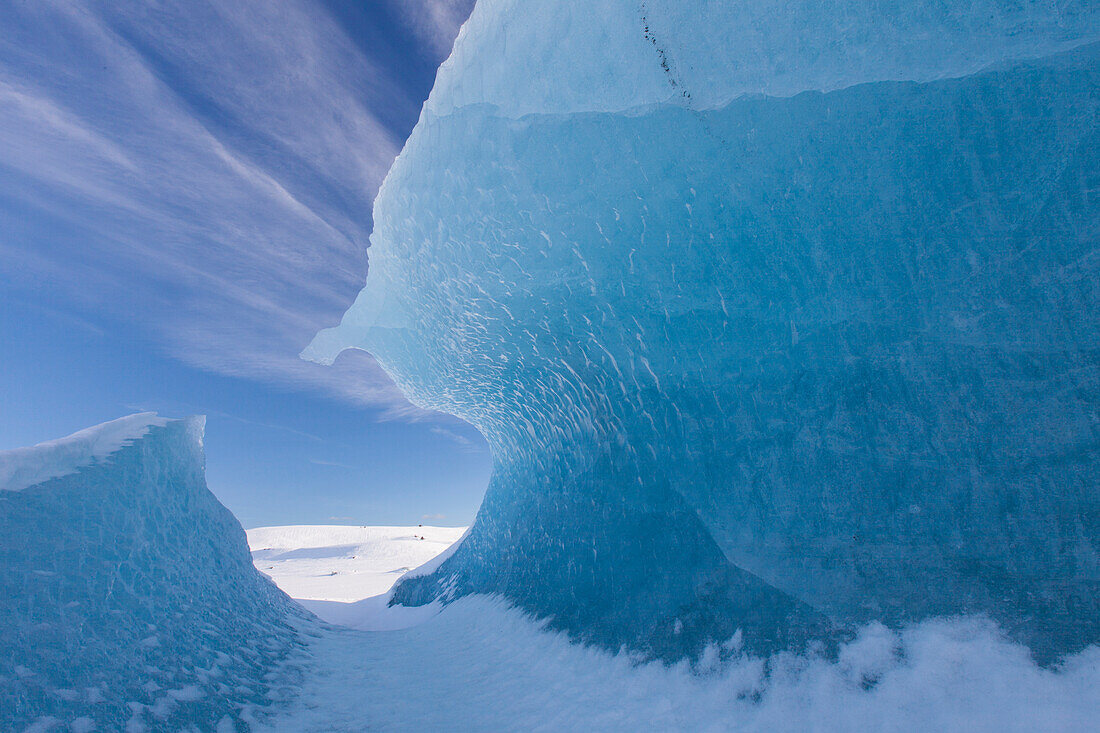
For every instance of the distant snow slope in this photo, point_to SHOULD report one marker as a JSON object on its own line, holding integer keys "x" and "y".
{"x": 344, "y": 574}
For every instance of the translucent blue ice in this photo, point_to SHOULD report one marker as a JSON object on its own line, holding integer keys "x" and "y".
{"x": 128, "y": 598}
{"x": 778, "y": 316}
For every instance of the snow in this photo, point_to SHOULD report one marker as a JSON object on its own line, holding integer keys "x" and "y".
{"x": 481, "y": 665}
{"x": 343, "y": 574}
{"x": 24, "y": 467}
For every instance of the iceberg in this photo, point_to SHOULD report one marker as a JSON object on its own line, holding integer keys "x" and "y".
{"x": 779, "y": 318}
{"x": 128, "y": 599}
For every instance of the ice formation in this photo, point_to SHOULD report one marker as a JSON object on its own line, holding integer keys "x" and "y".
{"x": 128, "y": 599}
{"x": 778, "y": 317}
{"x": 23, "y": 467}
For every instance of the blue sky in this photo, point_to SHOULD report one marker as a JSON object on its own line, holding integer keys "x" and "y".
{"x": 185, "y": 197}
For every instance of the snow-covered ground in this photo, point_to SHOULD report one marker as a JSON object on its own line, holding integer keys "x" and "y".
{"x": 479, "y": 665}
{"x": 343, "y": 574}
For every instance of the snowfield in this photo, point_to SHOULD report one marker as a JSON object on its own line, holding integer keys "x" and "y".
{"x": 481, "y": 665}
{"x": 344, "y": 574}
{"x": 346, "y": 564}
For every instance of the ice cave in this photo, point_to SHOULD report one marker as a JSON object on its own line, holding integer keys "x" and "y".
{"x": 782, "y": 322}
{"x": 775, "y": 321}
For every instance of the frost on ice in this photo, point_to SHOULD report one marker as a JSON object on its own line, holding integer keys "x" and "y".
{"x": 778, "y": 317}
{"x": 128, "y": 599}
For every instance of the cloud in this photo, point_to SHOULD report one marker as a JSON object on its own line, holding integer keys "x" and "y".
{"x": 202, "y": 172}
{"x": 454, "y": 435}
{"x": 334, "y": 464}
{"x": 436, "y": 22}
{"x": 433, "y": 517}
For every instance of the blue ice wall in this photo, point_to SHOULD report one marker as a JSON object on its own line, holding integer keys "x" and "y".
{"x": 128, "y": 595}
{"x": 777, "y": 317}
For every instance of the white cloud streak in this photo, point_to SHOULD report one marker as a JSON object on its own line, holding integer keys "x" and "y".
{"x": 435, "y": 22}
{"x": 204, "y": 171}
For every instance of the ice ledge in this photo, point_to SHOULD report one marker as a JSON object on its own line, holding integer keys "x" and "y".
{"x": 24, "y": 467}
{"x": 550, "y": 56}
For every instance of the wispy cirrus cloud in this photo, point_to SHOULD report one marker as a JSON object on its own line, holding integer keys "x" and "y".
{"x": 454, "y": 436}
{"x": 202, "y": 171}
{"x": 335, "y": 464}
{"x": 435, "y": 22}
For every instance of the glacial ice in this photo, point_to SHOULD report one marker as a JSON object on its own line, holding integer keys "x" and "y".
{"x": 128, "y": 599}
{"x": 36, "y": 464}
{"x": 778, "y": 317}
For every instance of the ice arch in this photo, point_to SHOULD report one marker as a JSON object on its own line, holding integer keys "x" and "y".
{"x": 778, "y": 317}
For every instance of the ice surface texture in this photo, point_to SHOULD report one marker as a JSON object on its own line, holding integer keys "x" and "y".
{"x": 127, "y": 592}
{"x": 774, "y": 363}
{"x": 23, "y": 467}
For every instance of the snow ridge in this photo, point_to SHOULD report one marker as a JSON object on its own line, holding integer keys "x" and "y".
{"x": 21, "y": 468}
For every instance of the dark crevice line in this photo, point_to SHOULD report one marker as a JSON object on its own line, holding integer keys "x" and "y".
{"x": 677, "y": 84}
